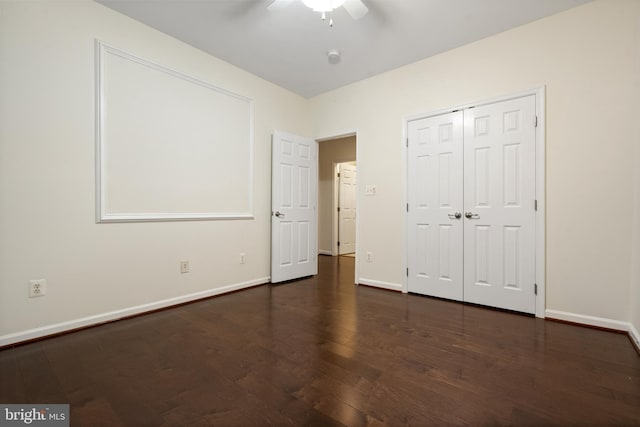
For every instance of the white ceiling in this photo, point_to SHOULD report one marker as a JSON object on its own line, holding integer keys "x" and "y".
{"x": 288, "y": 47}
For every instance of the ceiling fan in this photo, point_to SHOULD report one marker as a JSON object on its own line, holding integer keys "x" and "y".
{"x": 355, "y": 8}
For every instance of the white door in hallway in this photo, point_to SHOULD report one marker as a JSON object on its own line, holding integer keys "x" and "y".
{"x": 294, "y": 184}
{"x": 499, "y": 198}
{"x": 480, "y": 163}
{"x": 435, "y": 222}
{"x": 347, "y": 209}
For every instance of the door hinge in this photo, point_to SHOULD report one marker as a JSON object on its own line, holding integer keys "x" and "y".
{"x": 407, "y": 142}
{"x": 535, "y": 289}
{"x": 338, "y": 174}
{"x": 407, "y": 207}
{"x": 338, "y": 208}
{"x": 407, "y": 271}
{"x": 338, "y": 243}
{"x": 535, "y": 205}
{"x": 535, "y": 123}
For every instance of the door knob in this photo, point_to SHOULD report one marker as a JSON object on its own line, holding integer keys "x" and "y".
{"x": 456, "y": 215}
{"x": 470, "y": 215}
{"x": 279, "y": 215}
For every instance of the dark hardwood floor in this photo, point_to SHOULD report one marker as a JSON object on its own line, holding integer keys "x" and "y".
{"x": 324, "y": 352}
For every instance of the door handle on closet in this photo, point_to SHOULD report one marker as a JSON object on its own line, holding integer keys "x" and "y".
{"x": 279, "y": 215}
{"x": 471, "y": 215}
{"x": 456, "y": 215}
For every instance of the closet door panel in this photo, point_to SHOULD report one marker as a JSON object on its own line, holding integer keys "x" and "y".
{"x": 499, "y": 197}
{"x": 435, "y": 196}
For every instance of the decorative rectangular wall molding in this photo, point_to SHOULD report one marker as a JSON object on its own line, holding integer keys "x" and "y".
{"x": 168, "y": 146}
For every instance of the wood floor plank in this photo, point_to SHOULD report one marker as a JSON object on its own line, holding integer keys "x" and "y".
{"x": 323, "y": 352}
{"x": 11, "y": 385}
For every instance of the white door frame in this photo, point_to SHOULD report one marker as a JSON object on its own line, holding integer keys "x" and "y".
{"x": 337, "y": 135}
{"x": 540, "y": 251}
{"x": 334, "y": 211}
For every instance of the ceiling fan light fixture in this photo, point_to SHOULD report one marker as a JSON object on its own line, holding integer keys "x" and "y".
{"x": 323, "y": 5}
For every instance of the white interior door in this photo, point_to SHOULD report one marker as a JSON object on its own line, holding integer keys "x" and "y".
{"x": 479, "y": 162}
{"x": 294, "y": 184}
{"x": 499, "y": 193}
{"x": 435, "y": 223}
{"x": 347, "y": 209}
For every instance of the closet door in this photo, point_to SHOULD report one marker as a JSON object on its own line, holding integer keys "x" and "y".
{"x": 435, "y": 206}
{"x": 499, "y": 197}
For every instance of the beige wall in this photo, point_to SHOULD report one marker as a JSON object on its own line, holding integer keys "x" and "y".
{"x": 586, "y": 57}
{"x": 47, "y": 213}
{"x": 634, "y": 291}
{"x": 331, "y": 152}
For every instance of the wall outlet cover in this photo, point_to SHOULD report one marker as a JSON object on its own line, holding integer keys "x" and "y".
{"x": 37, "y": 288}
{"x": 184, "y": 266}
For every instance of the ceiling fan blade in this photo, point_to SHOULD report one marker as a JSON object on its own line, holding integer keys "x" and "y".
{"x": 355, "y": 8}
{"x": 278, "y": 5}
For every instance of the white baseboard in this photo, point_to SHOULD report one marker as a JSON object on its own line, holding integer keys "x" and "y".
{"x": 600, "y": 322}
{"x": 323, "y": 252}
{"x": 118, "y": 314}
{"x": 635, "y": 335}
{"x": 380, "y": 284}
{"x": 126, "y": 312}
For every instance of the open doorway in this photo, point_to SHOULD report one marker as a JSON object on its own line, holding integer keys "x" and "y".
{"x": 332, "y": 154}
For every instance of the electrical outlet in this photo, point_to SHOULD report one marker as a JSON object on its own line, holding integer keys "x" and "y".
{"x": 37, "y": 288}
{"x": 184, "y": 266}
{"x": 242, "y": 258}
{"x": 369, "y": 257}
